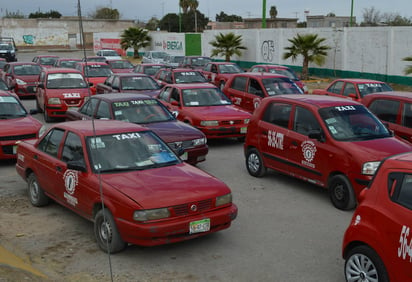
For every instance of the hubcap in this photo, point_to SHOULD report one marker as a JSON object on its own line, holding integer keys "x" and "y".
{"x": 339, "y": 192}
{"x": 34, "y": 191}
{"x": 253, "y": 162}
{"x": 105, "y": 232}
{"x": 360, "y": 268}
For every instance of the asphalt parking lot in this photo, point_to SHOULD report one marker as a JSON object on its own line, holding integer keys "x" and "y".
{"x": 286, "y": 230}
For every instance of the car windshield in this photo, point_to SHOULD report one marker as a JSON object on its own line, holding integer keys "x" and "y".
{"x": 151, "y": 70}
{"x": 27, "y": 69}
{"x": 110, "y": 53}
{"x": 7, "y": 47}
{"x": 202, "y": 97}
{"x": 159, "y": 55}
{"x": 11, "y": 108}
{"x": 280, "y": 85}
{"x": 47, "y": 61}
{"x": 200, "y": 62}
{"x": 229, "y": 68}
{"x": 141, "y": 111}
{"x": 129, "y": 151}
{"x": 68, "y": 64}
{"x": 98, "y": 71}
{"x": 65, "y": 81}
{"x": 121, "y": 65}
{"x": 95, "y": 59}
{"x": 139, "y": 83}
{"x": 285, "y": 72}
{"x": 189, "y": 77}
{"x": 176, "y": 59}
{"x": 353, "y": 123}
{"x": 368, "y": 88}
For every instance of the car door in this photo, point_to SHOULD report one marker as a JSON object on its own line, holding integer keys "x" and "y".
{"x": 389, "y": 111}
{"x": 87, "y": 111}
{"x": 350, "y": 91}
{"x": 254, "y": 93}
{"x": 236, "y": 89}
{"x": 405, "y": 130}
{"x": 335, "y": 89}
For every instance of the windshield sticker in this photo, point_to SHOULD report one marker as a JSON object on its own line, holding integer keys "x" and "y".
{"x": 71, "y": 180}
{"x": 187, "y": 73}
{"x": 373, "y": 85}
{"x": 121, "y": 104}
{"x": 275, "y": 139}
{"x": 333, "y": 130}
{"x": 97, "y": 143}
{"x": 309, "y": 150}
{"x": 194, "y": 103}
{"x": 271, "y": 93}
{"x": 330, "y": 120}
{"x": 125, "y": 136}
{"x": 345, "y": 108}
{"x": 405, "y": 248}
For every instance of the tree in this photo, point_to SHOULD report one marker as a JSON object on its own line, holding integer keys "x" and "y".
{"x": 136, "y": 38}
{"x": 170, "y": 22}
{"x": 227, "y": 45}
{"x": 310, "y": 47}
{"x": 371, "y": 17}
{"x": 14, "y": 15}
{"x": 193, "y": 4}
{"x": 47, "y": 15}
{"x": 273, "y": 12}
{"x": 331, "y": 15}
{"x": 184, "y": 4}
{"x": 408, "y": 69}
{"x": 222, "y": 17}
{"x": 394, "y": 19}
{"x": 152, "y": 24}
{"x": 106, "y": 13}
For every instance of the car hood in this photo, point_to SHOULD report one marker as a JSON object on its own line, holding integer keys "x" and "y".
{"x": 95, "y": 80}
{"x": 151, "y": 93}
{"x": 172, "y": 131}
{"x": 228, "y": 112}
{"x": 28, "y": 78}
{"x": 71, "y": 93}
{"x": 19, "y": 126}
{"x": 167, "y": 186}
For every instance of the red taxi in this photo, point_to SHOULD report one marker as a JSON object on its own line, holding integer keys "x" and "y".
{"x": 46, "y": 61}
{"x": 219, "y": 72}
{"x": 66, "y": 63}
{"x": 204, "y": 106}
{"x": 129, "y": 82}
{"x": 22, "y": 77}
{"x": 377, "y": 245}
{"x": 353, "y": 88}
{"x": 94, "y": 72}
{"x": 58, "y": 90}
{"x": 248, "y": 88}
{"x": 126, "y": 180}
{"x": 150, "y": 113}
{"x": 121, "y": 66}
{"x": 179, "y": 75}
{"x": 148, "y": 68}
{"x": 16, "y": 125}
{"x": 394, "y": 108}
{"x": 332, "y": 142}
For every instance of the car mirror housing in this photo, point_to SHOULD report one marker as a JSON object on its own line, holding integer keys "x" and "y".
{"x": 76, "y": 165}
{"x": 317, "y": 134}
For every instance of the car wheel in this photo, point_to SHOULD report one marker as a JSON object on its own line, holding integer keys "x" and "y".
{"x": 341, "y": 193}
{"x": 222, "y": 85}
{"x": 106, "y": 233}
{"x": 36, "y": 194}
{"x": 38, "y": 107}
{"x": 47, "y": 118}
{"x": 254, "y": 163}
{"x": 363, "y": 264}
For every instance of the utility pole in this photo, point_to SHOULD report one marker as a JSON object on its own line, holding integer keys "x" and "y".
{"x": 264, "y": 14}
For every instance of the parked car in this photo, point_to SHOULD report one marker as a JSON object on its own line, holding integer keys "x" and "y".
{"x": 247, "y": 89}
{"x": 353, "y": 88}
{"x": 282, "y": 70}
{"x": 178, "y": 76}
{"x": 108, "y": 54}
{"x": 148, "y": 112}
{"x": 16, "y": 125}
{"x": 377, "y": 245}
{"x": 195, "y": 62}
{"x": 94, "y": 59}
{"x": 8, "y": 49}
{"x": 331, "y": 142}
{"x": 46, "y": 61}
{"x": 149, "y": 69}
{"x": 129, "y": 82}
{"x": 219, "y": 72}
{"x": 127, "y": 181}
{"x": 154, "y": 57}
{"x": 22, "y": 77}
{"x": 394, "y": 108}
{"x": 58, "y": 90}
{"x": 3, "y": 62}
{"x": 121, "y": 66}
{"x": 205, "y": 107}
{"x": 66, "y": 63}
{"x": 173, "y": 61}
{"x": 94, "y": 72}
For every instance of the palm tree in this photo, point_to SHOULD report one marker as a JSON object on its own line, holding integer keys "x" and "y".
{"x": 184, "y": 4}
{"x": 408, "y": 69}
{"x": 273, "y": 12}
{"x": 136, "y": 38}
{"x": 310, "y": 47}
{"x": 227, "y": 45}
{"x": 193, "y": 4}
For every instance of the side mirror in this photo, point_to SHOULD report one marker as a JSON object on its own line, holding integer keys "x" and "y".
{"x": 76, "y": 165}
{"x": 33, "y": 111}
{"x": 40, "y": 85}
{"x": 175, "y": 103}
{"x": 318, "y": 135}
{"x": 352, "y": 96}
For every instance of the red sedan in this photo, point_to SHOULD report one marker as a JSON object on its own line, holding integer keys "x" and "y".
{"x": 219, "y": 72}
{"x": 127, "y": 181}
{"x": 22, "y": 77}
{"x": 94, "y": 72}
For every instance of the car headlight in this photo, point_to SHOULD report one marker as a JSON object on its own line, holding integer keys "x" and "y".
{"x": 54, "y": 101}
{"x": 21, "y": 82}
{"x": 145, "y": 215}
{"x": 209, "y": 123}
{"x": 247, "y": 121}
{"x": 370, "y": 168}
{"x": 223, "y": 200}
{"x": 199, "y": 142}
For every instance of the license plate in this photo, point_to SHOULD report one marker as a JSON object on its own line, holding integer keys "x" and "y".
{"x": 243, "y": 129}
{"x": 200, "y": 226}
{"x": 14, "y": 149}
{"x": 184, "y": 156}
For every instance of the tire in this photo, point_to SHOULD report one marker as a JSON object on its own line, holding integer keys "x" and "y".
{"x": 341, "y": 193}
{"x": 36, "y": 194}
{"x": 254, "y": 163}
{"x": 106, "y": 233}
{"x": 38, "y": 106}
{"x": 47, "y": 118}
{"x": 362, "y": 263}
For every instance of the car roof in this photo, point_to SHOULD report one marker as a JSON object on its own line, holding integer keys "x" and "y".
{"x": 127, "y": 74}
{"x": 319, "y": 101}
{"x": 258, "y": 74}
{"x": 271, "y": 66}
{"x": 22, "y": 63}
{"x": 92, "y": 63}
{"x": 181, "y": 70}
{"x": 192, "y": 85}
{"x": 99, "y": 127}
{"x": 404, "y": 95}
{"x": 69, "y": 59}
{"x": 60, "y": 70}
{"x": 124, "y": 96}
{"x": 359, "y": 80}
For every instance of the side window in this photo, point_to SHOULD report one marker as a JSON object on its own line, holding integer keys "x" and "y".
{"x": 349, "y": 89}
{"x": 400, "y": 190}
{"x": 168, "y": 77}
{"x": 103, "y": 111}
{"x": 336, "y": 87}
{"x": 305, "y": 122}
{"x": 254, "y": 88}
{"x": 278, "y": 114}
{"x": 386, "y": 110}
{"x": 89, "y": 107}
{"x": 116, "y": 83}
{"x": 407, "y": 115}
{"x": 175, "y": 95}
{"x": 50, "y": 143}
{"x": 165, "y": 94}
{"x": 72, "y": 149}
{"x": 239, "y": 83}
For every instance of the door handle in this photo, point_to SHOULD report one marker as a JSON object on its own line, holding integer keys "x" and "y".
{"x": 58, "y": 168}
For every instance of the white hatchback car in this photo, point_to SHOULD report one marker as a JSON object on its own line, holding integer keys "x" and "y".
{"x": 109, "y": 54}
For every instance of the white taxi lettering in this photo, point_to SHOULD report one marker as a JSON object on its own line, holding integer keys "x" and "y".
{"x": 71, "y": 95}
{"x": 345, "y": 108}
{"x": 275, "y": 139}
{"x": 125, "y": 136}
{"x": 237, "y": 100}
{"x": 121, "y": 104}
{"x": 405, "y": 248}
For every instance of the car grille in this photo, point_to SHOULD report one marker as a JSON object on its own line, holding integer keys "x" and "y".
{"x": 31, "y": 89}
{"x": 231, "y": 122}
{"x": 185, "y": 209}
{"x": 73, "y": 102}
{"x": 181, "y": 144}
{"x": 18, "y": 137}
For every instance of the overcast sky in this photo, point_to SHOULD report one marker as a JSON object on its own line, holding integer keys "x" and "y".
{"x": 145, "y": 9}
